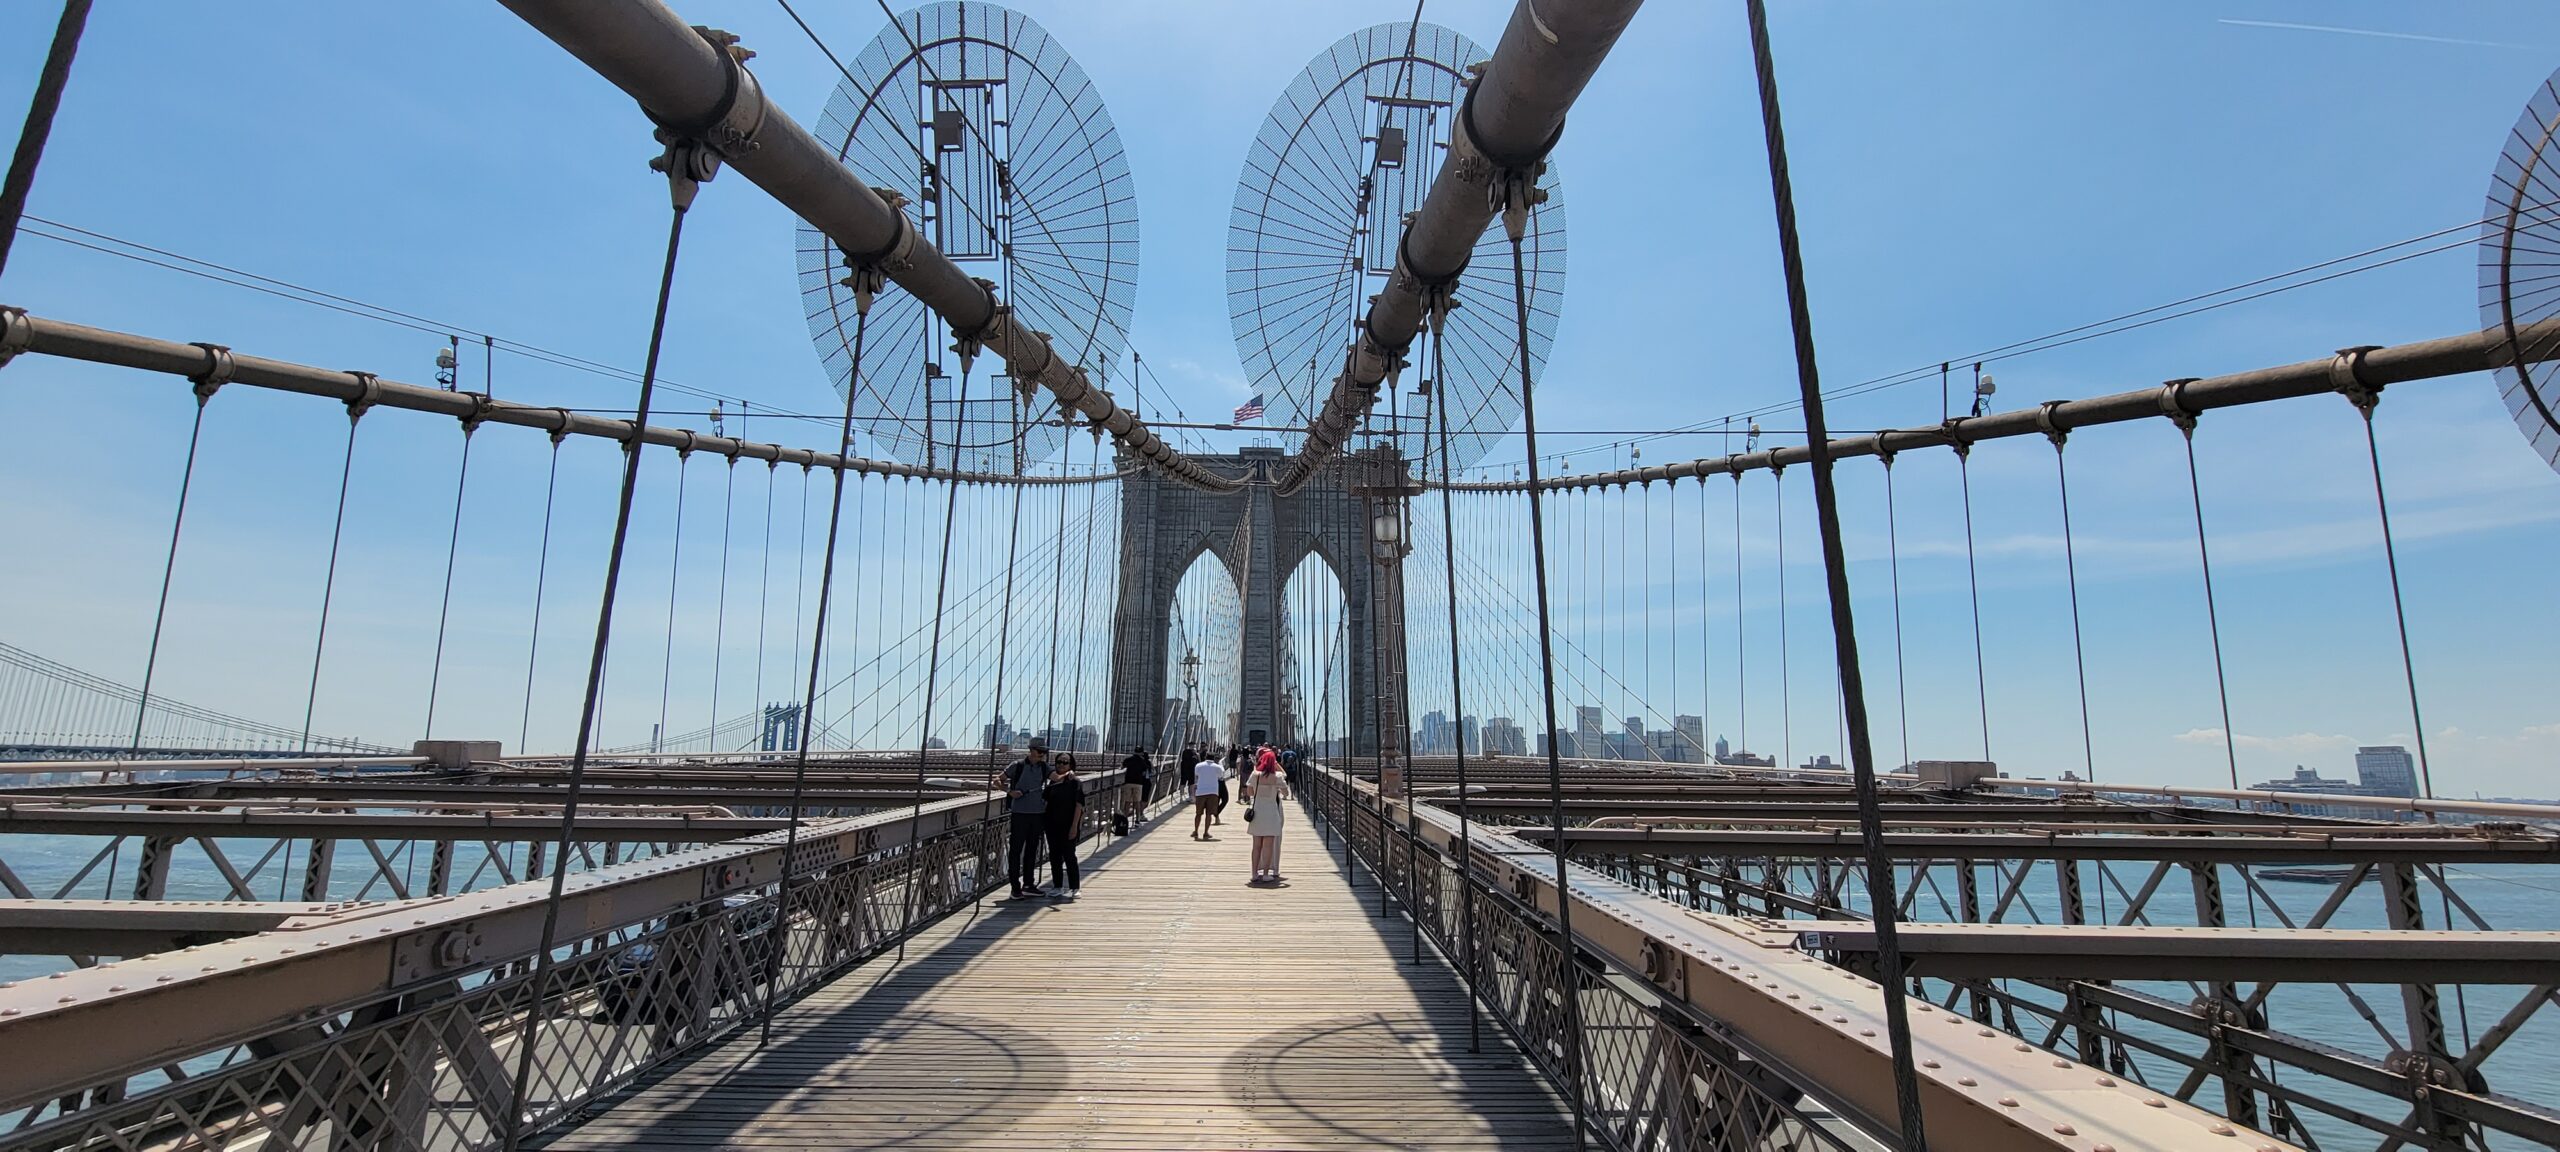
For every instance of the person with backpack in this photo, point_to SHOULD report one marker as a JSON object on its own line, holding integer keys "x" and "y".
{"x": 1025, "y": 783}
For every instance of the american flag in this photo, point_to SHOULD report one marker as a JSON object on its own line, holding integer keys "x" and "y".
{"x": 1250, "y": 409}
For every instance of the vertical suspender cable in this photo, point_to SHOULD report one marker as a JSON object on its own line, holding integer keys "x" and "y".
{"x": 720, "y": 603}
{"x": 2071, "y": 579}
{"x": 1515, "y": 220}
{"x": 1457, "y": 695}
{"x": 764, "y": 594}
{"x": 1786, "y": 678}
{"x": 932, "y": 674}
{"x": 778, "y": 954}
{"x": 2186, "y": 422}
{"x": 39, "y": 124}
{"x": 1893, "y": 556}
{"x": 2365, "y": 400}
{"x": 329, "y": 583}
{"x": 631, "y": 453}
{"x": 1973, "y": 587}
{"x": 1741, "y": 651}
{"x": 1706, "y": 640}
{"x": 220, "y": 360}
{"x": 1906, "y": 1083}
{"x": 541, "y": 572}
{"x": 675, "y": 570}
{"x": 452, "y": 549}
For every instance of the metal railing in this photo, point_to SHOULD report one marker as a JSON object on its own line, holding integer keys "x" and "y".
{"x": 1653, "y": 1073}
{"x": 425, "y": 1060}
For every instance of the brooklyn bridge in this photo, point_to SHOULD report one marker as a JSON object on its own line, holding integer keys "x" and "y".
{"x": 424, "y": 757}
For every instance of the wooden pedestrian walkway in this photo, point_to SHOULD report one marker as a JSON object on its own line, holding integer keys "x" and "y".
{"x": 1173, "y": 1007}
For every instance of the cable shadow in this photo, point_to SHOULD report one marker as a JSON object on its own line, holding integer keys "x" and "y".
{"x": 748, "y": 1086}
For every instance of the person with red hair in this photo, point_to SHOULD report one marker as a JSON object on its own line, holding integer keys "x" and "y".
{"x": 1263, "y": 791}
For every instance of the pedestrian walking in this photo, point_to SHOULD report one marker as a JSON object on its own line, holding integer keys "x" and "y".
{"x": 1263, "y": 817}
{"x": 1207, "y": 781}
{"x": 1235, "y": 766}
{"x": 1025, "y": 782}
{"x": 1063, "y": 815}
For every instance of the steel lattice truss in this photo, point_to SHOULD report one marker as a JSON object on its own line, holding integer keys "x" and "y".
{"x": 1010, "y": 165}
{"x": 1318, "y": 213}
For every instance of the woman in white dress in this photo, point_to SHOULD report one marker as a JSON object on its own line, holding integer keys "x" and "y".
{"x": 1264, "y": 790}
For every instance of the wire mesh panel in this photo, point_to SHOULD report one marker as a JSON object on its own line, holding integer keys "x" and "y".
{"x": 1008, "y": 162}
{"x": 1350, "y": 147}
{"x": 432, "y": 1066}
{"x": 1652, "y": 1076}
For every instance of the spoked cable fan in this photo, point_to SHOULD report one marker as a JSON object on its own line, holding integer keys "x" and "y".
{"x": 1009, "y": 165}
{"x": 2520, "y": 271}
{"x": 1350, "y": 147}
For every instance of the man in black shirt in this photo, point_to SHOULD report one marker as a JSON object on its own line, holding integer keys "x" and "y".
{"x": 1135, "y": 772}
{"x": 1065, "y": 810}
{"x": 1023, "y": 783}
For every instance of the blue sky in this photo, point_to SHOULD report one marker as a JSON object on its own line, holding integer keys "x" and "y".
{"x": 1967, "y": 176}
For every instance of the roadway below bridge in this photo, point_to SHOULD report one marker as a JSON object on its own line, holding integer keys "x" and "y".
{"x": 1172, "y": 1007}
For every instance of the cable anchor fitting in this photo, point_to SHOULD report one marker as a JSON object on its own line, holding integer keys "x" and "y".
{"x": 2346, "y": 372}
{"x": 1513, "y": 192}
{"x": 368, "y": 393}
{"x": 693, "y": 151}
{"x": 217, "y": 371}
{"x": 968, "y": 344}
{"x": 2054, "y": 430}
{"x": 2173, "y": 404}
{"x": 478, "y": 415}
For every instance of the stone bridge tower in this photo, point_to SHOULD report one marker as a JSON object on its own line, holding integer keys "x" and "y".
{"x": 1259, "y": 538}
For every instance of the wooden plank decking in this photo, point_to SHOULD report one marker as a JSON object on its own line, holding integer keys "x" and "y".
{"x": 1173, "y": 1007}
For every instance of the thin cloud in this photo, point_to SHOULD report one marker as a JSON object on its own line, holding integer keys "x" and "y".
{"x": 2373, "y": 32}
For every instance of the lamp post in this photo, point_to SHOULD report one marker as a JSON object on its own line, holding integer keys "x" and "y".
{"x": 1190, "y": 693}
{"x": 1389, "y": 544}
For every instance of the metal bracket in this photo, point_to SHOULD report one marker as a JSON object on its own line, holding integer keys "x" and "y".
{"x": 421, "y": 956}
{"x": 2173, "y": 404}
{"x": 2053, "y": 429}
{"x": 479, "y": 413}
{"x": 2346, "y": 372}
{"x": 560, "y": 431}
{"x": 217, "y": 371}
{"x": 368, "y": 392}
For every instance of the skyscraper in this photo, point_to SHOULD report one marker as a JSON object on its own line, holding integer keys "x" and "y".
{"x": 2387, "y": 770}
{"x": 1586, "y": 732}
{"x": 1690, "y": 744}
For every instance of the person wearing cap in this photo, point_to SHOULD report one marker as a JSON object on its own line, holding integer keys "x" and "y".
{"x": 1024, "y": 783}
